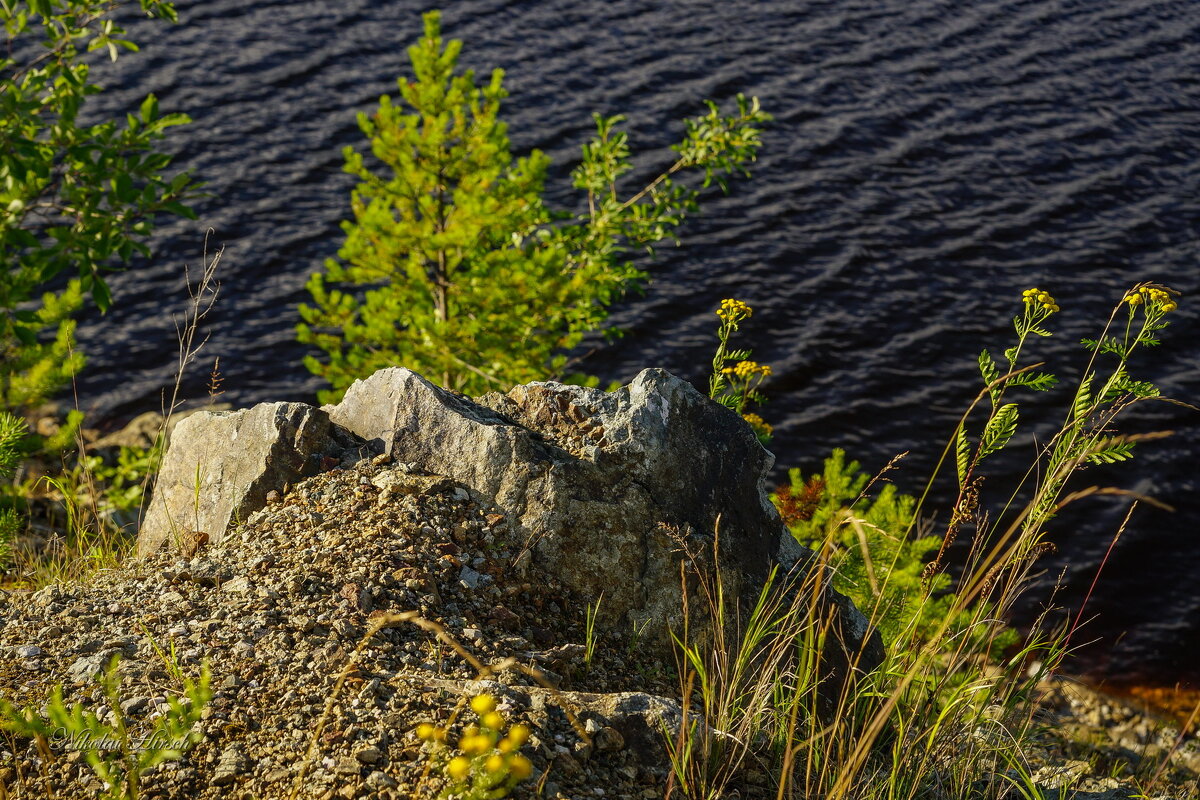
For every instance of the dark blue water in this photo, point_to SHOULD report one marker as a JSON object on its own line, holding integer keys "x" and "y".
{"x": 929, "y": 160}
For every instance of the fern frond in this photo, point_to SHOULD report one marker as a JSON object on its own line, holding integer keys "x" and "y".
{"x": 1110, "y": 450}
{"x": 963, "y": 452}
{"x": 1084, "y": 404}
{"x": 999, "y": 430}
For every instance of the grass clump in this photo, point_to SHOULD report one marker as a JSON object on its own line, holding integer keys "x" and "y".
{"x": 949, "y": 711}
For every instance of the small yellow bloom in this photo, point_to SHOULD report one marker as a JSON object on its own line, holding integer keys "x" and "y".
{"x": 1169, "y": 306}
{"x": 748, "y": 369}
{"x": 482, "y": 704}
{"x": 1133, "y": 298}
{"x": 425, "y": 732}
{"x": 495, "y": 764}
{"x": 475, "y": 745}
{"x": 518, "y": 734}
{"x": 459, "y": 768}
{"x": 493, "y": 720}
{"x": 520, "y": 767}
{"x": 757, "y": 424}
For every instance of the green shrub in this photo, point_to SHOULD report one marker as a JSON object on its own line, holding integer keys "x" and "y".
{"x": 465, "y": 274}
{"x": 874, "y": 560}
{"x": 12, "y": 432}
{"x": 72, "y": 196}
{"x": 950, "y": 712}
{"x": 118, "y": 484}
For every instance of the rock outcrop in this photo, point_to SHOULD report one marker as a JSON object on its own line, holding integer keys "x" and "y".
{"x": 604, "y": 488}
{"x": 220, "y": 466}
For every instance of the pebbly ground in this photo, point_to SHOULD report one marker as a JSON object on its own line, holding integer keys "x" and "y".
{"x": 278, "y": 607}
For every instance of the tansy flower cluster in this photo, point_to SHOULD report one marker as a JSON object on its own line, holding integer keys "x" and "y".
{"x": 734, "y": 386}
{"x": 1041, "y": 299}
{"x": 1153, "y": 297}
{"x": 733, "y": 311}
{"x": 757, "y": 424}
{"x": 488, "y": 765}
{"x": 748, "y": 369}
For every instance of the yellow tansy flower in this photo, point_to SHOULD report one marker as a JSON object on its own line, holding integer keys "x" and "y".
{"x": 757, "y": 424}
{"x": 475, "y": 745}
{"x": 459, "y": 768}
{"x": 733, "y": 310}
{"x": 519, "y": 734}
{"x": 520, "y": 767}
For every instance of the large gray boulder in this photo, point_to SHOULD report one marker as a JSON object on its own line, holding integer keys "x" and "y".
{"x": 608, "y": 488}
{"x": 220, "y": 466}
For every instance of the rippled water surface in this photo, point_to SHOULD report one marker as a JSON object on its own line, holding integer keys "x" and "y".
{"x": 929, "y": 160}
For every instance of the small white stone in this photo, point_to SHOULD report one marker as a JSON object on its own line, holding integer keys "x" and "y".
{"x": 238, "y": 585}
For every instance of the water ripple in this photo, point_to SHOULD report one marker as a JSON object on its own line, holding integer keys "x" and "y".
{"x": 929, "y": 159}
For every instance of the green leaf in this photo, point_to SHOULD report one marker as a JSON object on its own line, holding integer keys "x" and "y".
{"x": 149, "y": 109}
{"x": 25, "y": 336}
{"x": 123, "y": 186}
{"x": 180, "y": 209}
{"x": 1038, "y": 381}
{"x": 1110, "y": 450}
{"x": 1144, "y": 389}
{"x": 999, "y": 430}
{"x": 1109, "y": 344}
{"x": 101, "y": 294}
{"x": 1083, "y": 405}
{"x": 989, "y": 371}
